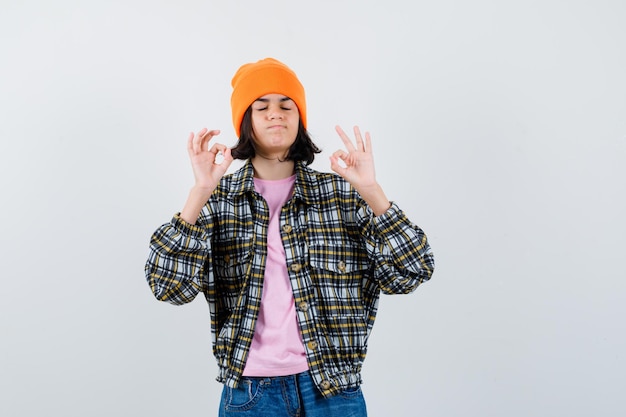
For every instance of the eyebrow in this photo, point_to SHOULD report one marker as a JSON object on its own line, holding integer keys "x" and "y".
{"x": 265, "y": 100}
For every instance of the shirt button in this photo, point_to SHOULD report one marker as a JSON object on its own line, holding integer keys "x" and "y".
{"x": 295, "y": 267}
{"x": 227, "y": 258}
{"x": 287, "y": 228}
{"x": 312, "y": 345}
{"x": 325, "y": 384}
{"x": 303, "y": 306}
{"x": 342, "y": 266}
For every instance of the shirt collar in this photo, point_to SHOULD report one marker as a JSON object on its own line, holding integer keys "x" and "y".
{"x": 305, "y": 189}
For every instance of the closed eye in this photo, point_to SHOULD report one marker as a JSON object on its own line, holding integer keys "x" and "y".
{"x": 285, "y": 103}
{"x": 265, "y": 108}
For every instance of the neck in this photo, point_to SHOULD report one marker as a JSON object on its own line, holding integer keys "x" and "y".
{"x": 272, "y": 169}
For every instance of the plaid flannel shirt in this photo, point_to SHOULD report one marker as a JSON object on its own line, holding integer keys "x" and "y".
{"x": 339, "y": 258}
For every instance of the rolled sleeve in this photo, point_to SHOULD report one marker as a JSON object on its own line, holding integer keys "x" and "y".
{"x": 401, "y": 251}
{"x": 176, "y": 263}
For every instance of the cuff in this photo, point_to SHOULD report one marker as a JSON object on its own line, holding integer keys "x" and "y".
{"x": 389, "y": 218}
{"x": 186, "y": 228}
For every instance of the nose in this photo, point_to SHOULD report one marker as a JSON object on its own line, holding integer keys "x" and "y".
{"x": 275, "y": 113}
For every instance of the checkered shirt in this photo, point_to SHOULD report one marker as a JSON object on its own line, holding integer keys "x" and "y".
{"x": 339, "y": 258}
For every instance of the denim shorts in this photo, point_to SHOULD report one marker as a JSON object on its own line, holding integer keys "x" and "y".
{"x": 288, "y": 396}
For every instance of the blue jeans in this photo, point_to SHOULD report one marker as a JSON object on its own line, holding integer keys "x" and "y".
{"x": 288, "y": 396}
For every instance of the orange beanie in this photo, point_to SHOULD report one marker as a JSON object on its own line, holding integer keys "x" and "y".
{"x": 267, "y": 76}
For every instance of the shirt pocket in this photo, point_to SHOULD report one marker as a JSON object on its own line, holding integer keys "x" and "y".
{"x": 338, "y": 272}
{"x": 344, "y": 259}
{"x": 231, "y": 266}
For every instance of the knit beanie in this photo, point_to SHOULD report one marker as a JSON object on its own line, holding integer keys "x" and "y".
{"x": 267, "y": 76}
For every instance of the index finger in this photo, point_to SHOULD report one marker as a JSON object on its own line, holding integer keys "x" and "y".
{"x": 202, "y": 139}
{"x": 346, "y": 140}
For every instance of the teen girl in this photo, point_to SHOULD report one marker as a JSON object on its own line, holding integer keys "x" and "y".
{"x": 291, "y": 261}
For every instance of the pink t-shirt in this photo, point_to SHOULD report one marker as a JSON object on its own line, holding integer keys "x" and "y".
{"x": 277, "y": 347}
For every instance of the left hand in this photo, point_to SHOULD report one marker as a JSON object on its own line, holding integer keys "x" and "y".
{"x": 358, "y": 160}
{"x": 359, "y": 169}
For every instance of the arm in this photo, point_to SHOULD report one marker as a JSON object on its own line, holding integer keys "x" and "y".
{"x": 179, "y": 250}
{"x": 399, "y": 248}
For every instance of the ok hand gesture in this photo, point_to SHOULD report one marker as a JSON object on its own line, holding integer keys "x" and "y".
{"x": 358, "y": 160}
{"x": 358, "y": 169}
{"x": 207, "y": 170}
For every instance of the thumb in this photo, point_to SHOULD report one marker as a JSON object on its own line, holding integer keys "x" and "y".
{"x": 336, "y": 166}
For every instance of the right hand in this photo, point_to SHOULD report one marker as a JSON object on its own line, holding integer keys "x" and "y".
{"x": 206, "y": 170}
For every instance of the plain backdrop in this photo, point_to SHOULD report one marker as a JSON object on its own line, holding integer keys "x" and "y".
{"x": 498, "y": 126}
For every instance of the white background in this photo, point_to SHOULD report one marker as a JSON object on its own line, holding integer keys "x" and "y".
{"x": 499, "y": 127}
